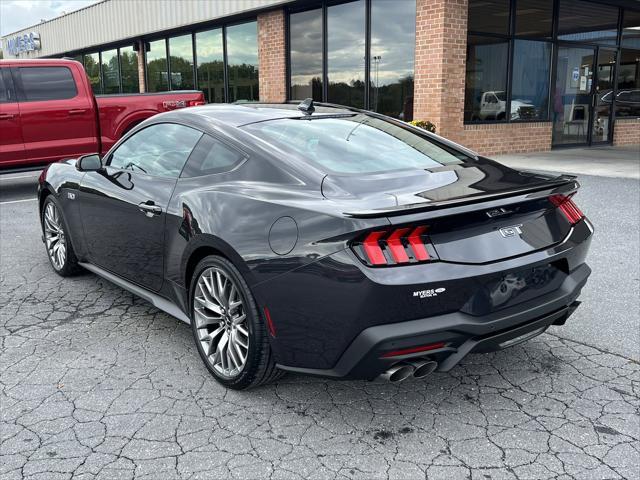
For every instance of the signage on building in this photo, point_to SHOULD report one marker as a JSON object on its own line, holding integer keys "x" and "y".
{"x": 28, "y": 42}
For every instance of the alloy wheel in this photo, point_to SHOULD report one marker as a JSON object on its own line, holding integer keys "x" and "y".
{"x": 221, "y": 322}
{"x": 54, "y": 236}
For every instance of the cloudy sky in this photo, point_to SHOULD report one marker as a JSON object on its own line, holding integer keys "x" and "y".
{"x": 18, "y": 14}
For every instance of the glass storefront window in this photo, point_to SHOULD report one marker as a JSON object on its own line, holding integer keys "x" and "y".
{"x": 210, "y": 59}
{"x": 489, "y": 16}
{"x": 530, "y": 80}
{"x": 584, "y": 21}
{"x": 346, "y": 53}
{"x": 92, "y": 67}
{"x": 110, "y": 72}
{"x": 129, "y": 70}
{"x": 157, "y": 74}
{"x": 306, "y": 54}
{"x": 242, "y": 62}
{"x": 393, "y": 35}
{"x": 631, "y": 29}
{"x": 181, "y": 62}
{"x": 486, "y": 80}
{"x": 628, "y": 93}
{"x": 534, "y": 18}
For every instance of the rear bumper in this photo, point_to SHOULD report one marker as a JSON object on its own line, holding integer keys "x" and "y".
{"x": 461, "y": 333}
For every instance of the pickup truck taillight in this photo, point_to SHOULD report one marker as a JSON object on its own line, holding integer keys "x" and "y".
{"x": 567, "y": 207}
{"x": 399, "y": 246}
{"x": 195, "y": 103}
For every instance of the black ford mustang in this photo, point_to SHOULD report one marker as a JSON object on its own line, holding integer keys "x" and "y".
{"x": 323, "y": 240}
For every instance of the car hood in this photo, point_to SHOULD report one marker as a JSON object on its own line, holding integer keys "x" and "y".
{"x": 418, "y": 187}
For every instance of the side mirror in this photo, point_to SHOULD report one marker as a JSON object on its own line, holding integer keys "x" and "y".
{"x": 89, "y": 163}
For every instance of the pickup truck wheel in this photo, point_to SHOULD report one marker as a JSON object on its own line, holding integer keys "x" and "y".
{"x": 59, "y": 248}
{"x": 228, "y": 330}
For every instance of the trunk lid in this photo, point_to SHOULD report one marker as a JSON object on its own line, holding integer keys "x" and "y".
{"x": 474, "y": 213}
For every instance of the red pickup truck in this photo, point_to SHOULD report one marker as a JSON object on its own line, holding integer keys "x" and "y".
{"x": 48, "y": 112}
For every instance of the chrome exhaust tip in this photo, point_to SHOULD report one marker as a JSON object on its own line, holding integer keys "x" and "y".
{"x": 423, "y": 367}
{"x": 397, "y": 373}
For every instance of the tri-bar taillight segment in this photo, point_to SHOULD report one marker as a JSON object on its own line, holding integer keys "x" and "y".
{"x": 566, "y": 205}
{"x": 395, "y": 247}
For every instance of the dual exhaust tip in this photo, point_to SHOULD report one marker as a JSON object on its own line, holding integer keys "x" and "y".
{"x": 418, "y": 368}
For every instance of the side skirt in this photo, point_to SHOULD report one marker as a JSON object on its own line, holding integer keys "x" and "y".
{"x": 156, "y": 300}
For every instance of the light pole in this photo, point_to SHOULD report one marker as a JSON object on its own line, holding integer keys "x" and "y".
{"x": 376, "y": 62}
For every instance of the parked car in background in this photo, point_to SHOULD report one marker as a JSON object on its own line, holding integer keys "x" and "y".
{"x": 48, "y": 112}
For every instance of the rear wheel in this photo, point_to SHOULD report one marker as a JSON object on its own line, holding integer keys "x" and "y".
{"x": 59, "y": 248}
{"x": 229, "y": 333}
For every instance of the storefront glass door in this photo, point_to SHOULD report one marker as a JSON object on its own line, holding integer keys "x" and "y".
{"x": 582, "y": 96}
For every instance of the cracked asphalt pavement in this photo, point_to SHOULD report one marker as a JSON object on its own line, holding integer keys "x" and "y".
{"x": 96, "y": 383}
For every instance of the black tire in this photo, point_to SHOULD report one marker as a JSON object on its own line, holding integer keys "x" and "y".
{"x": 69, "y": 267}
{"x": 259, "y": 367}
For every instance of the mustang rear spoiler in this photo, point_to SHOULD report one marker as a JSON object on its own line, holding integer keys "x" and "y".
{"x": 564, "y": 184}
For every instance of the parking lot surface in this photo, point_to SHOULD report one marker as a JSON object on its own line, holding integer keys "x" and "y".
{"x": 97, "y": 383}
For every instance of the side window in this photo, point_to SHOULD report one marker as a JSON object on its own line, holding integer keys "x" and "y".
{"x": 47, "y": 83}
{"x": 211, "y": 156}
{"x": 4, "y": 88}
{"x": 160, "y": 150}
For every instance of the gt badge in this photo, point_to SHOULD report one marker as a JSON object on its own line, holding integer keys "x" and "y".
{"x": 511, "y": 231}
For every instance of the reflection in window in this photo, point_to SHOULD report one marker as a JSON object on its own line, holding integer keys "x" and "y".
{"x": 393, "y": 38}
{"x": 306, "y": 54}
{"x": 628, "y": 96}
{"x": 157, "y": 77}
{"x": 242, "y": 60}
{"x": 631, "y": 29}
{"x": 209, "y": 54}
{"x": 92, "y": 67}
{"x": 534, "y": 18}
{"x": 346, "y": 53}
{"x": 486, "y": 79}
{"x": 129, "y": 73}
{"x": 161, "y": 150}
{"x": 489, "y": 16}
{"x": 530, "y": 80}
{"x": 181, "y": 62}
{"x": 110, "y": 72}
{"x": 580, "y": 20}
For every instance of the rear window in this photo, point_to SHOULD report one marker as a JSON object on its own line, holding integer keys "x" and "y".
{"x": 47, "y": 83}
{"x": 355, "y": 144}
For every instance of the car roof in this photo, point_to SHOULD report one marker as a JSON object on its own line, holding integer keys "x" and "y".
{"x": 240, "y": 114}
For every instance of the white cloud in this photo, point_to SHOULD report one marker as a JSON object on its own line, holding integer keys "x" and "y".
{"x": 18, "y": 14}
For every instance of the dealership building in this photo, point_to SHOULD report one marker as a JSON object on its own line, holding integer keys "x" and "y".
{"x": 499, "y": 76}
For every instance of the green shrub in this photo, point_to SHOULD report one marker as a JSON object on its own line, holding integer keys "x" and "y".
{"x": 424, "y": 124}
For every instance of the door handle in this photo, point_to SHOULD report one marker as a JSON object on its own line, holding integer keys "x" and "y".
{"x": 77, "y": 111}
{"x": 150, "y": 210}
{"x": 6, "y": 116}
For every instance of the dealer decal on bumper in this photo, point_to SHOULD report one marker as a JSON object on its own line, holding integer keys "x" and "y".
{"x": 433, "y": 292}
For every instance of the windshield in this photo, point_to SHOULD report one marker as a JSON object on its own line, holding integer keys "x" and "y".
{"x": 355, "y": 144}
{"x": 501, "y": 96}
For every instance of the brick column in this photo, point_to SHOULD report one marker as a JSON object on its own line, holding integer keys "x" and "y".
{"x": 441, "y": 44}
{"x": 272, "y": 57}
{"x": 141, "y": 79}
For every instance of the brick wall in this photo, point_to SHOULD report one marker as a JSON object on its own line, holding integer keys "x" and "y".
{"x": 441, "y": 43}
{"x": 627, "y": 131}
{"x": 493, "y": 139}
{"x": 272, "y": 56}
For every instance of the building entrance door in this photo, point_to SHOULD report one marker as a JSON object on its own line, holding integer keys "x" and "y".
{"x": 583, "y": 94}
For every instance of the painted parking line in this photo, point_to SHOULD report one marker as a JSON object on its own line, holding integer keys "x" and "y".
{"x": 19, "y": 201}
{"x": 16, "y": 178}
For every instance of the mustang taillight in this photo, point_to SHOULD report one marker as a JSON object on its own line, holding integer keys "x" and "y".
{"x": 567, "y": 207}
{"x": 395, "y": 247}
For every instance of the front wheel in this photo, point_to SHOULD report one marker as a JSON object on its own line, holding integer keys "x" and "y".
{"x": 56, "y": 237}
{"x": 230, "y": 336}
